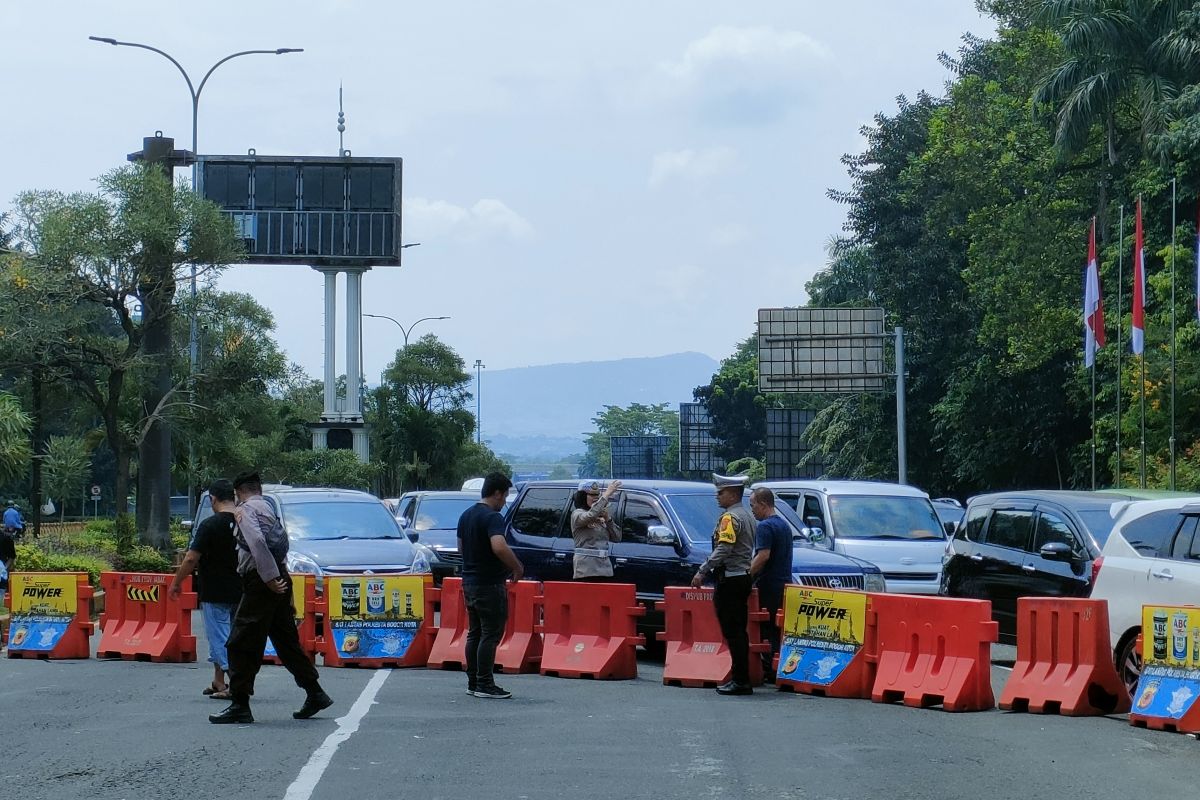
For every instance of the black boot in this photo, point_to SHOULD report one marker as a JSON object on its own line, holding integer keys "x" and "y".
{"x": 735, "y": 688}
{"x": 316, "y": 701}
{"x": 236, "y": 714}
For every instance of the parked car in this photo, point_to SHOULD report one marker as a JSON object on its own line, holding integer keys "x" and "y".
{"x": 431, "y": 518}
{"x": 335, "y": 532}
{"x": 890, "y": 525}
{"x": 949, "y": 510}
{"x": 1027, "y": 544}
{"x": 666, "y": 529}
{"x": 1152, "y": 556}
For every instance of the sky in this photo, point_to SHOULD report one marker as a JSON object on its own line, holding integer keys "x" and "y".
{"x": 586, "y": 181}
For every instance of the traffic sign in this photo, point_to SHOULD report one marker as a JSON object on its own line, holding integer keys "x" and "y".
{"x": 95, "y": 491}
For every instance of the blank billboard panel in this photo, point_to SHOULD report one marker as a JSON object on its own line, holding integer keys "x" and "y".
{"x": 639, "y": 457}
{"x": 785, "y": 445}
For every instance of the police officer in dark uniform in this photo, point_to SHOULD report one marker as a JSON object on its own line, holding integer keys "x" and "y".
{"x": 729, "y": 566}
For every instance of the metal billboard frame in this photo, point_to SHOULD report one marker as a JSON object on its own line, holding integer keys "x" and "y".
{"x": 630, "y": 457}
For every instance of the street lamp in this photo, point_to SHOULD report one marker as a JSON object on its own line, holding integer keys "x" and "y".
{"x": 194, "y": 91}
{"x": 405, "y": 331}
{"x": 479, "y": 365}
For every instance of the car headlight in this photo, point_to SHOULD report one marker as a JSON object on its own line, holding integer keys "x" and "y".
{"x": 874, "y": 582}
{"x": 421, "y": 561}
{"x": 298, "y": 562}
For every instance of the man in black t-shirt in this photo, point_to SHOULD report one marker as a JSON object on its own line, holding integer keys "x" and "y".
{"x": 214, "y": 550}
{"x": 487, "y": 561}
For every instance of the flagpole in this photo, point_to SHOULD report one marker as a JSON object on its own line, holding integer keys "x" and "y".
{"x": 1140, "y": 262}
{"x": 1093, "y": 426}
{"x": 1171, "y": 441}
{"x": 1120, "y": 378}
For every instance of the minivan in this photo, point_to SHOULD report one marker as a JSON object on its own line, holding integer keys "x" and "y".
{"x": 888, "y": 524}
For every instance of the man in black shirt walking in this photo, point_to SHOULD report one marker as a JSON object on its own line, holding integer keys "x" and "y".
{"x": 487, "y": 561}
{"x": 214, "y": 550}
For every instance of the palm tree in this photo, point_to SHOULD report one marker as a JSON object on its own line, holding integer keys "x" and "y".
{"x": 1118, "y": 53}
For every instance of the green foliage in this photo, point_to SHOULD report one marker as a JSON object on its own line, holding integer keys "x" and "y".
{"x": 333, "y": 468}
{"x": 14, "y": 437}
{"x": 125, "y": 532}
{"x": 636, "y": 420}
{"x": 750, "y": 467}
{"x": 31, "y": 558}
{"x": 68, "y": 467}
{"x": 735, "y": 405}
{"x": 143, "y": 558}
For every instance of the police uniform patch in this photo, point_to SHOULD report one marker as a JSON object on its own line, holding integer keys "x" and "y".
{"x": 725, "y": 532}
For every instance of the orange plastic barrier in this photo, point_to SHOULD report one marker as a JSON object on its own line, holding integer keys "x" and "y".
{"x": 1064, "y": 664}
{"x": 932, "y": 651}
{"x": 304, "y": 605}
{"x": 520, "y": 649}
{"x": 696, "y": 652}
{"x": 825, "y": 638}
{"x": 450, "y": 642}
{"x": 142, "y": 623}
{"x": 50, "y": 615}
{"x": 589, "y": 630}
{"x": 361, "y": 630}
{"x": 1167, "y": 697}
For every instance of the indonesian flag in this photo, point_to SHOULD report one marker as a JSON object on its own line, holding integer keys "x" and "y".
{"x": 1093, "y": 304}
{"x": 1138, "y": 335}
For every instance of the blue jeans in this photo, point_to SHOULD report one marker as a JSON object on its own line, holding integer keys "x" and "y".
{"x": 487, "y": 612}
{"x": 217, "y": 620}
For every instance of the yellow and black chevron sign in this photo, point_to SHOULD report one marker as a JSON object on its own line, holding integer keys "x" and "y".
{"x": 148, "y": 594}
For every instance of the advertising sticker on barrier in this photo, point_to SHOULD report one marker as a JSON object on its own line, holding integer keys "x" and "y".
{"x": 374, "y": 616}
{"x": 1170, "y": 680}
{"x": 44, "y": 607}
{"x": 823, "y": 630}
{"x": 298, "y": 587}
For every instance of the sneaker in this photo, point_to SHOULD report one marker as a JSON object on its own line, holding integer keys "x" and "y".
{"x": 235, "y": 714}
{"x": 492, "y": 693}
{"x": 315, "y": 702}
{"x": 471, "y": 689}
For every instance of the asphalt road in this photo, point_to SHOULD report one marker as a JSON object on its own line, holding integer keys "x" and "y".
{"x": 88, "y": 729}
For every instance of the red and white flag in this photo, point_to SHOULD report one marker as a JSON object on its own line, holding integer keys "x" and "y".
{"x": 1138, "y": 335}
{"x": 1093, "y": 304}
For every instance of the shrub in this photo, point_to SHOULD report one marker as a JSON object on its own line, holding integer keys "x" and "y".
{"x": 143, "y": 558}
{"x": 102, "y": 527}
{"x": 31, "y": 558}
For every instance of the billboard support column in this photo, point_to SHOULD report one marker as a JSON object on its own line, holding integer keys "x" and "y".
{"x": 354, "y": 344}
{"x": 331, "y": 411}
{"x": 901, "y": 438}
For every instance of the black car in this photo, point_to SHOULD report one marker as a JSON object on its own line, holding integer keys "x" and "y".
{"x": 431, "y": 518}
{"x": 1027, "y": 544}
{"x": 666, "y": 533}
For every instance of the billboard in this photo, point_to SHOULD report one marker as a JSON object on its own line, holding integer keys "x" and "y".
{"x": 786, "y": 446}
{"x": 312, "y": 210}
{"x": 821, "y": 350}
{"x": 695, "y": 439}
{"x": 634, "y": 457}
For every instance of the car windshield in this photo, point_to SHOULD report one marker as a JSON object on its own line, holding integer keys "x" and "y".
{"x": 949, "y": 513}
{"x": 339, "y": 520}
{"x": 441, "y": 513}
{"x": 700, "y": 513}
{"x": 1099, "y": 524}
{"x": 884, "y": 517}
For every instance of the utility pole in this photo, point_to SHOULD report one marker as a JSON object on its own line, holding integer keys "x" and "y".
{"x": 479, "y": 365}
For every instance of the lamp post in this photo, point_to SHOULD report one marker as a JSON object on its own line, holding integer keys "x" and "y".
{"x": 194, "y": 91}
{"x": 403, "y": 330}
{"x": 479, "y": 365}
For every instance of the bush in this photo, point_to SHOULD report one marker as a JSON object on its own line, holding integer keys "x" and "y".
{"x": 143, "y": 558}
{"x": 31, "y": 558}
{"x": 180, "y": 536}
{"x": 101, "y": 527}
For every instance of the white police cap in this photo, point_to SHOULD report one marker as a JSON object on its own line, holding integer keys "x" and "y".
{"x": 725, "y": 481}
{"x": 591, "y": 487}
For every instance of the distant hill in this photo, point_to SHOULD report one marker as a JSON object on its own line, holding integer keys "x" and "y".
{"x": 544, "y": 412}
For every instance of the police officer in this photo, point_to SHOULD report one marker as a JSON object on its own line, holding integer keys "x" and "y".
{"x": 729, "y": 565}
{"x": 592, "y": 528}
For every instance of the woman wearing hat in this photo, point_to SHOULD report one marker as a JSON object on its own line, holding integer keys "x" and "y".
{"x": 592, "y": 528}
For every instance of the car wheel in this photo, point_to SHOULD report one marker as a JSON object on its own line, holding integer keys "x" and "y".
{"x": 1129, "y": 662}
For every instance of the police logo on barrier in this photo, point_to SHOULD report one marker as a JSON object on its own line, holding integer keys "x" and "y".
{"x": 147, "y": 595}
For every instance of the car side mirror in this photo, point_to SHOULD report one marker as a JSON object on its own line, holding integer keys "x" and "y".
{"x": 661, "y": 534}
{"x": 950, "y": 527}
{"x": 1056, "y": 551}
{"x": 813, "y": 529}
{"x": 412, "y": 535}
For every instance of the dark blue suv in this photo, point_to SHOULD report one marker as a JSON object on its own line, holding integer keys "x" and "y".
{"x": 666, "y": 533}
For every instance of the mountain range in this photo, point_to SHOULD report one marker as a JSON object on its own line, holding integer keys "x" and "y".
{"x": 544, "y": 412}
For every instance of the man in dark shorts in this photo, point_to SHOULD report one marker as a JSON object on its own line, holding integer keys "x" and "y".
{"x": 214, "y": 550}
{"x": 771, "y": 566}
{"x": 487, "y": 561}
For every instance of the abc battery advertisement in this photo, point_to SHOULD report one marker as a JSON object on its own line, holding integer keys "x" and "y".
{"x": 1170, "y": 680}
{"x": 375, "y": 616}
{"x": 43, "y": 609}
{"x": 823, "y": 630}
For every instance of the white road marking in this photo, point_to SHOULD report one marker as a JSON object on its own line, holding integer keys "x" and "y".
{"x": 306, "y": 782}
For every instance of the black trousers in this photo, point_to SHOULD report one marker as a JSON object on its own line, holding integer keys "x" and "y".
{"x": 731, "y": 598}
{"x": 264, "y": 613}
{"x": 487, "y": 614}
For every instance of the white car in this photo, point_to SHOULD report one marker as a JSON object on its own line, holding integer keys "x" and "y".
{"x": 1151, "y": 557}
{"x": 891, "y": 525}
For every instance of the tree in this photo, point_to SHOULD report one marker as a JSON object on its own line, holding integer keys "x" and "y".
{"x": 14, "y": 437}
{"x": 93, "y": 260}
{"x": 735, "y": 405}
{"x": 68, "y": 465}
{"x": 636, "y": 420}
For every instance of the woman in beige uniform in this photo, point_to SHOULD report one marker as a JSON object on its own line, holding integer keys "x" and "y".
{"x": 592, "y": 528}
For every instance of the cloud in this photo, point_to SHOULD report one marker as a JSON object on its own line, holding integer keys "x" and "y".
{"x": 729, "y": 235}
{"x": 486, "y": 219}
{"x": 749, "y": 75}
{"x": 691, "y": 164}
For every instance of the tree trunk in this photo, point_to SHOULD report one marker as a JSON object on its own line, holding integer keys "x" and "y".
{"x": 37, "y": 434}
{"x": 154, "y": 451}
